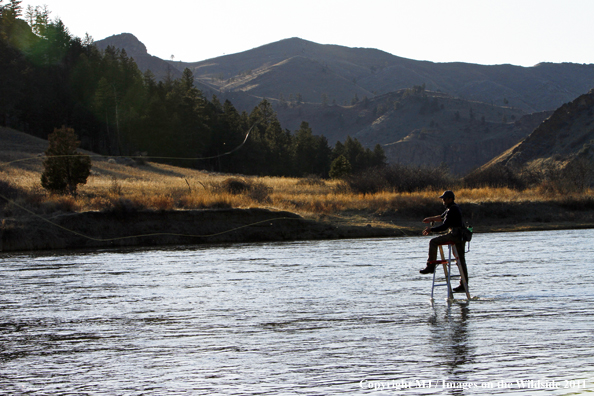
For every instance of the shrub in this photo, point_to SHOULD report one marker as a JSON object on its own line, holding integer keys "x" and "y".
{"x": 503, "y": 176}
{"x": 60, "y": 204}
{"x": 575, "y": 177}
{"x": 311, "y": 180}
{"x": 235, "y": 185}
{"x": 121, "y": 206}
{"x": 257, "y": 191}
{"x": 400, "y": 178}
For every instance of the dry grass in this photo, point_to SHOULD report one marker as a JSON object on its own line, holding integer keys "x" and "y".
{"x": 164, "y": 187}
{"x": 114, "y": 186}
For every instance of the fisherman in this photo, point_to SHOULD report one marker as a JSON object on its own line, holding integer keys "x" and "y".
{"x": 452, "y": 221}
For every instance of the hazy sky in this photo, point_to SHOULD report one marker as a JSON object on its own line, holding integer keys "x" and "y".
{"x": 519, "y": 32}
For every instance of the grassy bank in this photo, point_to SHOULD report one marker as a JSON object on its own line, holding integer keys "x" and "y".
{"x": 121, "y": 186}
{"x": 160, "y": 187}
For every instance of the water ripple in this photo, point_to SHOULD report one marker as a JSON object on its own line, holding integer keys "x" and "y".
{"x": 330, "y": 317}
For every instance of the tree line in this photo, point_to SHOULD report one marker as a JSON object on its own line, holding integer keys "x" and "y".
{"x": 52, "y": 79}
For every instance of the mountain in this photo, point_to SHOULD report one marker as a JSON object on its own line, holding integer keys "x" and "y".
{"x": 137, "y": 50}
{"x": 420, "y": 127}
{"x": 295, "y": 66}
{"x": 565, "y": 138}
{"x": 421, "y": 112}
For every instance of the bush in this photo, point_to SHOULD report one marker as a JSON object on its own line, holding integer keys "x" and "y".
{"x": 257, "y": 191}
{"x": 65, "y": 204}
{"x": 400, "y": 178}
{"x": 575, "y": 177}
{"x": 311, "y": 180}
{"x": 235, "y": 185}
{"x": 503, "y": 176}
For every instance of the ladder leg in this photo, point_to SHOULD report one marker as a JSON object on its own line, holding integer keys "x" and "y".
{"x": 462, "y": 277}
{"x": 432, "y": 287}
{"x": 446, "y": 271}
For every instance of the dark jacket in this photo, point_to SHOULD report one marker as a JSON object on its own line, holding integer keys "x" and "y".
{"x": 452, "y": 218}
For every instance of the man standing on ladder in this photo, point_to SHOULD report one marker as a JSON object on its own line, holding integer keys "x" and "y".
{"x": 452, "y": 220}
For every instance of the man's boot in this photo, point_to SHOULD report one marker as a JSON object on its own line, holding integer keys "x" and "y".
{"x": 429, "y": 269}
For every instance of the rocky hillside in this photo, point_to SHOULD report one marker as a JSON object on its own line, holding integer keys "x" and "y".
{"x": 564, "y": 139}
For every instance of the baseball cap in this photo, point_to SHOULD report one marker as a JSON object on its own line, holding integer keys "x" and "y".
{"x": 448, "y": 194}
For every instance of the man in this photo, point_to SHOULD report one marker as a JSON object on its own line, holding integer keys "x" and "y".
{"x": 452, "y": 220}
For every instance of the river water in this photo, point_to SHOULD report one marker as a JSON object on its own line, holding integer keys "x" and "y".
{"x": 312, "y": 318}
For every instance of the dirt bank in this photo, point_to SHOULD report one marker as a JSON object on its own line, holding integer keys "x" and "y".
{"x": 153, "y": 228}
{"x": 186, "y": 227}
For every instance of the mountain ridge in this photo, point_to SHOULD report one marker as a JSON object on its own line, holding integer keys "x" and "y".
{"x": 541, "y": 87}
{"x": 370, "y": 94}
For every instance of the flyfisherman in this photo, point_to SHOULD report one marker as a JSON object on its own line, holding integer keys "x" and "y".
{"x": 452, "y": 221}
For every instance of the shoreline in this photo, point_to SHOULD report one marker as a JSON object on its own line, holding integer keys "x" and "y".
{"x": 91, "y": 230}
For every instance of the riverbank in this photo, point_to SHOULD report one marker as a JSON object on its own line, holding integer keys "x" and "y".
{"x": 128, "y": 203}
{"x": 153, "y": 228}
{"x": 92, "y": 230}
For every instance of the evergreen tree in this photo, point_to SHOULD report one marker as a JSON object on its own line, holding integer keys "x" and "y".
{"x": 340, "y": 168}
{"x": 304, "y": 149}
{"x": 323, "y": 156}
{"x": 64, "y": 168}
{"x": 378, "y": 157}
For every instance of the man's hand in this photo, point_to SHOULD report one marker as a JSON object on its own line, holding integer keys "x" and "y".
{"x": 427, "y": 231}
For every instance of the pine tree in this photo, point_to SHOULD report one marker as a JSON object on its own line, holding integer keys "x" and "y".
{"x": 340, "y": 168}
{"x": 64, "y": 168}
{"x": 304, "y": 150}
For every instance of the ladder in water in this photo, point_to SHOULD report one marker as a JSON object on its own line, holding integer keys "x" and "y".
{"x": 447, "y": 270}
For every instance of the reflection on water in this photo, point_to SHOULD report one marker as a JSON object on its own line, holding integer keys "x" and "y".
{"x": 331, "y": 317}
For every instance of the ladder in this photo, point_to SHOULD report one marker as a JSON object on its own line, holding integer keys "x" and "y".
{"x": 447, "y": 270}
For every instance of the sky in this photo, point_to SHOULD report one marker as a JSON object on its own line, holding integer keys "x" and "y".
{"x": 518, "y": 32}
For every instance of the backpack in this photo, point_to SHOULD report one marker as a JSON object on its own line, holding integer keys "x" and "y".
{"x": 467, "y": 233}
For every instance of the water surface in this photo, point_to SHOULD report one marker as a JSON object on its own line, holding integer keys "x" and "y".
{"x": 327, "y": 318}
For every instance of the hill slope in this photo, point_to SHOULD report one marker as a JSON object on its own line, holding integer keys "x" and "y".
{"x": 137, "y": 50}
{"x": 542, "y": 87}
{"x": 564, "y": 139}
{"x": 422, "y": 128}
{"x": 481, "y": 110}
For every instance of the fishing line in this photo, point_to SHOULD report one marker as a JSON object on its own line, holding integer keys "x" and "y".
{"x": 143, "y": 235}
{"x": 135, "y": 156}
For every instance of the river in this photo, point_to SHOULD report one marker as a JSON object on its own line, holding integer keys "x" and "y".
{"x": 312, "y": 318}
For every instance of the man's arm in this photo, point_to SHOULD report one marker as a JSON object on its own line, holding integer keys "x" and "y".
{"x": 432, "y": 219}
